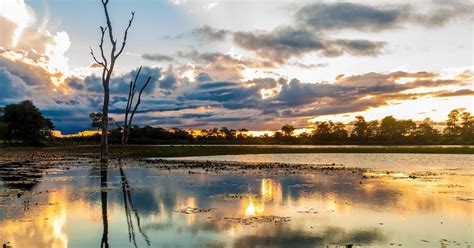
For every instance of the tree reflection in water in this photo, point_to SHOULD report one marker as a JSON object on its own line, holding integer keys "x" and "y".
{"x": 128, "y": 207}
{"x": 103, "y": 196}
{"x": 127, "y": 199}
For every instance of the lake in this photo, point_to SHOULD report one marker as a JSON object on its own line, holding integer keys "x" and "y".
{"x": 408, "y": 200}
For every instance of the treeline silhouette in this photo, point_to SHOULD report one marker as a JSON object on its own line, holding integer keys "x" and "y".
{"x": 458, "y": 130}
{"x": 24, "y": 122}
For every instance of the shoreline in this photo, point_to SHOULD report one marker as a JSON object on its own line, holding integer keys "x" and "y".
{"x": 143, "y": 151}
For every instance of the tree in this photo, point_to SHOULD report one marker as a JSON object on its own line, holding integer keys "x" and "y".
{"x": 278, "y": 136}
{"x": 425, "y": 133}
{"x": 467, "y": 126}
{"x": 360, "y": 130}
{"x": 129, "y": 111}
{"x": 96, "y": 119}
{"x": 322, "y": 131}
{"x": 25, "y": 122}
{"x": 373, "y": 130}
{"x": 108, "y": 65}
{"x": 452, "y": 128}
{"x": 228, "y": 133}
{"x": 339, "y": 132}
{"x": 288, "y": 130}
{"x": 389, "y": 130}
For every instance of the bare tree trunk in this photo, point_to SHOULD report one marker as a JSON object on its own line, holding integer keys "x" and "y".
{"x": 104, "y": 146}
{"x": 129, "y": 112}
{"x": 107, "y": 70}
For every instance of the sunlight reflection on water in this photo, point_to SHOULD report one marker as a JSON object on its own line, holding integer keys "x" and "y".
{"x": 178, "y": 209}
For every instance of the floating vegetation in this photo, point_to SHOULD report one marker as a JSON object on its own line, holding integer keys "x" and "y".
{"x": 190, "y": 210}
{"x": 258, "y": 220}
{"x": 229, "y": 196}
{"x": 466, "y": 199}
{"x": 308, "y": 211}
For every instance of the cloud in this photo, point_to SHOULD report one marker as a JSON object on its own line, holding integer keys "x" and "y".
{"x": 463, "y": 92}
{"x": 209, "y": 102}
{"x": 24, "y": 46}
{"x": 157, "y": 57}
{"x": 280, "y": 44}
{"x": 12, "y": 86}
{"x": 324, "y": 17}
{"x": 356, "y": 47}
{"x": 220, "y": 65}
{"x": 209, "y": 33}
{"x": 314, "y": 25}
{"x": 337, "y": 16}
{"x": 444, "y": 12}
{"x": 121, "y": 84}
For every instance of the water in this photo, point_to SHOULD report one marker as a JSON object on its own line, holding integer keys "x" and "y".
{"x": 403, "y": 162}
{"x": 74, "y": 204}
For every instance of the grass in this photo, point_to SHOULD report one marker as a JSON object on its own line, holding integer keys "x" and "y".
{"x": 182, "y": 151}
{"x": 135, "y": 151}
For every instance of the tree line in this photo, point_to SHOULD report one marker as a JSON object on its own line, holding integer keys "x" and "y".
{"x": 23, "y": 122}
{"x": 459, "y": 129}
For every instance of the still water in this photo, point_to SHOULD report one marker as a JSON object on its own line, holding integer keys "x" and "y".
{"x": 76, "y": 204}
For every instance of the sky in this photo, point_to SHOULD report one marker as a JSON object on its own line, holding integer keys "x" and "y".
{"x": 254, "y": 64}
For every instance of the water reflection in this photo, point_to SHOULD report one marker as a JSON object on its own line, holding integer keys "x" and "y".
{"x": 143, "y": 207}
{"x": 103, "y": 200}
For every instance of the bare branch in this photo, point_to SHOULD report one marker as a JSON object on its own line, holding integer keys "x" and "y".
{"x": 109, "y": 23}
{"x": 125, "y": 35}
{"x": 139, "y": 98}
{"x": 96, "y": 60}
{"x": 101, "y": 46}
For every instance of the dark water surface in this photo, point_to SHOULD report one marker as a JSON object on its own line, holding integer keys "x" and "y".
{"x": 76, "y": 204}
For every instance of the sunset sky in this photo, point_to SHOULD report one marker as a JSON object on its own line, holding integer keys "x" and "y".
{"x": 246, "y": 63}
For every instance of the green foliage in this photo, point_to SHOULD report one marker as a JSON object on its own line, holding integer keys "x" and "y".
{"x": 26, "y": 123}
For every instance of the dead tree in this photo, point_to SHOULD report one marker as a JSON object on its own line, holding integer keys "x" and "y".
{"x": 107, "y": 62}
{"x": 129, "y": 112}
